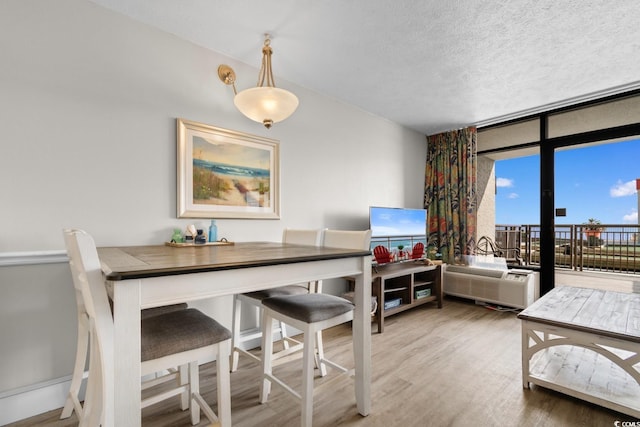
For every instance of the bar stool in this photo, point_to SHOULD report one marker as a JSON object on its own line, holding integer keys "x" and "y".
{"x": 254, "y": 299}
{"x": 170, "y": 339}
{"x": 310, "y": 313}
{"x": 82, "y": 349}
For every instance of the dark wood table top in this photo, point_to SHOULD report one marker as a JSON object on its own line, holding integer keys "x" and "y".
{"x": 135, "y": 262}
{"x": 607, "y": 313}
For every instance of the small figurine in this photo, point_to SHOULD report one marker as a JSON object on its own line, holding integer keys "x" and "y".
{"x": 177, "y": 236}
{"x": 201, "y": 239}
{"x": 191, "y": 233}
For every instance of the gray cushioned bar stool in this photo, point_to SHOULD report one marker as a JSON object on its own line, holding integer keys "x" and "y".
{"x": 82, "y": 349}
{"x": 311, "y": 314}
{"x": 254, "y": 299}
{"x": 169, "y": 339}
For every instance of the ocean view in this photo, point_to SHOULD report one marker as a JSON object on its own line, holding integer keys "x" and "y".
{"x": 392, "y": 243}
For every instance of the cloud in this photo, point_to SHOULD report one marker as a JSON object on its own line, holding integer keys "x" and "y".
{"x": 504, "y": 182}
{"x": 623, "y": 189}
{"x": 513, "y": 196}
{"x": 632, "y": 217}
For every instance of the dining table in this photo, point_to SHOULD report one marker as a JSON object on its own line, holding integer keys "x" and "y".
{"x": 139, "y": 277}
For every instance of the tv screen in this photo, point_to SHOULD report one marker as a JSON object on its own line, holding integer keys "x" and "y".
{"x": 396, "y": 222}
{"x": 397, "y": 229}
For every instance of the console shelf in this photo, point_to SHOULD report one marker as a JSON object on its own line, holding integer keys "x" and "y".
{"x": 415, "y": 284}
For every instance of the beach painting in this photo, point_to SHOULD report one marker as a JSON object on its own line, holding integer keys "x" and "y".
{"x": 226, "y": 174}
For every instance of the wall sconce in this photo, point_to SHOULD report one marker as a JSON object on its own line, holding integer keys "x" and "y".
{"x": 263, "y": 104}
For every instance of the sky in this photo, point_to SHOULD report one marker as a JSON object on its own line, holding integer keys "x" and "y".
{"x": 592, "y": 182}
{"x": 397, "y": 222}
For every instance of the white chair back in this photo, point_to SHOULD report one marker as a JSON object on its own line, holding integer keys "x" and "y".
{"x": 347, "y": 239}
{"x": 302, "y": 236}
{"x": 87, "y": 279}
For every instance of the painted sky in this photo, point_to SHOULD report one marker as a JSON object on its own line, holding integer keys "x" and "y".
{"x": 230, "y": 154}
{"x": 591, "y": 182}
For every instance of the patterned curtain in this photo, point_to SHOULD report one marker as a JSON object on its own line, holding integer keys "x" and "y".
{"x": 450, "y": 192}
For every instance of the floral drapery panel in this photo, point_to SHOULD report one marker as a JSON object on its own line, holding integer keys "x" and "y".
{"x": 450, "y": 192}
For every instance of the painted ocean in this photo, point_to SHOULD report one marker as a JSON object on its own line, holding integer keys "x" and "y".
{"x": 231, "y": 170}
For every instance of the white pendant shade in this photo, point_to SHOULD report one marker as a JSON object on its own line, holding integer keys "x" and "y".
{"x": 266, "y": 105}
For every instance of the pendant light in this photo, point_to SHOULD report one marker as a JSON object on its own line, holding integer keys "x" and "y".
{"x": 264, "y": 104}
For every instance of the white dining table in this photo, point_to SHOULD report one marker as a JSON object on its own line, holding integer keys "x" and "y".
{"x": 141, "y": 277}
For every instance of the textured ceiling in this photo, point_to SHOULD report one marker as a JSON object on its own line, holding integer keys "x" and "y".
{"x": 430, "y": 65}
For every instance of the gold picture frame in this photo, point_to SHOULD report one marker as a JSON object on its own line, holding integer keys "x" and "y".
{"x": 223, "y": 173}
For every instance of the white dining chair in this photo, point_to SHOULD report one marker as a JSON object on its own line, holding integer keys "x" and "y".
{"x": 72, "y": 403}
{"x": 177, "y": 338}
{"x": 310, "y": 313}
{"x": 254, "y": 299}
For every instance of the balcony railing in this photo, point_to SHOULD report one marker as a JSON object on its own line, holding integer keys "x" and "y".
{"x": 613, "y": 248}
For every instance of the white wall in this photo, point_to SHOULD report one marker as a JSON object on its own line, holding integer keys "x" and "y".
{"x": 88, "y": 105}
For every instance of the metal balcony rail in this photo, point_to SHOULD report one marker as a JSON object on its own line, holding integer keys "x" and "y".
{"x": 608, "y": 247}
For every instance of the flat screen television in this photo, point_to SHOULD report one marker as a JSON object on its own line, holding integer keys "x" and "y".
{"x": 398, "y": 230}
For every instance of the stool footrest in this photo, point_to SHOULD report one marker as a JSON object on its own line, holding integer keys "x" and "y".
{"x": 282, "y": 384}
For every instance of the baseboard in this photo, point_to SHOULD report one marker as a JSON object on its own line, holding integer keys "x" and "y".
{"x": 26, "y": 402}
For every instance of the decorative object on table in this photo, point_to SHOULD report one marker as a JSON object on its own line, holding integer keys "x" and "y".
{"x": 191, "y": 233}
{"x": 200, "y": 237}
{"x": 176, "y": 237}
{"x": 191, "y": 244}
{"x": 263, "y": 104}
{"x": 226, "y": 174}
{"x": 213, "y": 231}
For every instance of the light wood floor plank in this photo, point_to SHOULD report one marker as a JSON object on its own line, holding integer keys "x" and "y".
{"x": 458, "y": 366}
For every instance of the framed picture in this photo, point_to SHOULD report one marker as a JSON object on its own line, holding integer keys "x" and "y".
{"x": 226, "y": 174}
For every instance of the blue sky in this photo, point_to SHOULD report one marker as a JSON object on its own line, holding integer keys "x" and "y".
{"x": 397, "y": 222}
{"x": 591, "y": 182}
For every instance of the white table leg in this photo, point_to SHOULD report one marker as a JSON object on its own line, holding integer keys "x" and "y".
{"x": 127, "y": 353}
{"x": 525, "y": 355}
{"x": 362, "y": 337}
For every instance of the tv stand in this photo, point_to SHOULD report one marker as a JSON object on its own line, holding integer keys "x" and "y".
{"x": 403, "y": 286}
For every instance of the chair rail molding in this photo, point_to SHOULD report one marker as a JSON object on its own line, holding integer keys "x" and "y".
{"x": 11, "y": 259}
